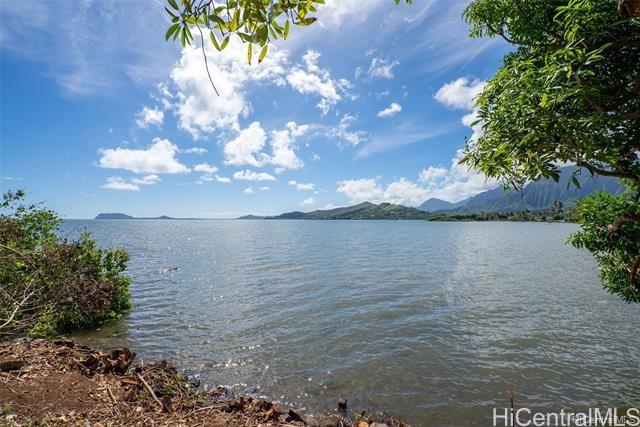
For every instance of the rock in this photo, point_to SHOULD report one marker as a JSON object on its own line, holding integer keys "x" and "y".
{"x": 11, "y": 365}
{"x": 294, "y": 416}
{"x": 332, "y": 420}
{"x": 342, "y": 404}
{"x": 237, "y": 404}
{"x": 311, "y": 421}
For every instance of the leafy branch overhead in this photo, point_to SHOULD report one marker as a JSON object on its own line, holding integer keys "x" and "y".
{"x": 256, "y": 22}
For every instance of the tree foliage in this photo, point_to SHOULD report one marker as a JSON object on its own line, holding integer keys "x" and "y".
{"x": 256, "y": 22}
{"x": 568, "y": 92}
{"x": 50, "y": 285}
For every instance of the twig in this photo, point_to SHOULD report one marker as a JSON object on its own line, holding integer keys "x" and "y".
{"x": 111, "y": 396}
{"x": 513, "y": 411}
{"x": 206, "y": 63}
{"x": 149, "y": 389}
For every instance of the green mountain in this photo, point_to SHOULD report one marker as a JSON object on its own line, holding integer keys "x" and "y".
{"x": 113, "y": 216}
{"x": 125, "y": 216}
{"x": 536, "y": 196}
{"x": 364, "y": 210}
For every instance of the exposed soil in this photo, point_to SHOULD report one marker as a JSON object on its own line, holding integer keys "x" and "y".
{"x": 61, "y": 383}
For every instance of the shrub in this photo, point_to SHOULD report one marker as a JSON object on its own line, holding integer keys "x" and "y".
{"x": 50, "y": 285}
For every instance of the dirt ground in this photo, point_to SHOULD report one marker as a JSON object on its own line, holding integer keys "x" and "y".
{"x": 59, "y": 383}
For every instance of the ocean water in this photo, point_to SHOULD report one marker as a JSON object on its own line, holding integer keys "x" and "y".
{"x": 430, "y": 321}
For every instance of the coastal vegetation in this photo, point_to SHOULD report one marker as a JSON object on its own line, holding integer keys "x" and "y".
{"x": 51, "y": 285}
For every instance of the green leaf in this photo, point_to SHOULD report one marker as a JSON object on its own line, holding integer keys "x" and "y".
{"x": 224, "y": 43}
{"x": 171, "y": 30}
{"x": 286, "y": 29}
{"x": 249, "y": 52}
{"x": 307, "y": 21}
{"x": 214, "y": 41}
{"x": 173, "y": 4}
{"x": 263, "y": 53}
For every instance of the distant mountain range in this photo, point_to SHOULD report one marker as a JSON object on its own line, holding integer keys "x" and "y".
{"x": 536, "y": 196}
{"x": 364, "y": 210}
{"x": 125, "y": 216}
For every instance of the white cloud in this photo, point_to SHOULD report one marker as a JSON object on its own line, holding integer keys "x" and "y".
{"x": 200, "y": 111}
{"x": 205, "y": 168}
{"x": 12, "y": 178}
{"x": 313, "y": 80}
{"x": 247, "y": 175}
{"x": 432, "y": 173}
{"x": 461, "y": 93}
{"x": 246, "y": 148}
{"x": 344, "y": 133}
{"x": 390, "y": 111}
{"x": 361, "y": 190}
{"x": 146, "y": 180}
{"x": 265, "y": 188}
{"x": 453, "y": 184}
{"x": 223, "y": 179}
{"x": 381, "y": 68}
{"x": 149, "y": 116}
{"x": 283, "y": 146}
{"x": 308, "y": 202}
{"x": 301, "y": 186}
{"x": 196, "y": 150}
{"x": 117, "y": 183}
{"x": 248, "y": 190}
{"x": 159, "y": 157}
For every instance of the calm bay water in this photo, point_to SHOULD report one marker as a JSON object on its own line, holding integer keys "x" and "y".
{"x": 431, "y": 321}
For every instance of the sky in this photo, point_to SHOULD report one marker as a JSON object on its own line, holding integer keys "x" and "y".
{"x": 372, "y": 103}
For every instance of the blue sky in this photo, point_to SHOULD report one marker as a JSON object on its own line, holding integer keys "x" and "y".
{"x": 99, "y": 114}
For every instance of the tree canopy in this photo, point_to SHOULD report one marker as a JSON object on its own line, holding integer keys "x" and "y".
{"x": 569, "y": 92}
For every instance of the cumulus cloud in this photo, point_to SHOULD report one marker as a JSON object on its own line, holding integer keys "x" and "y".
{"x": 461, "y": 93}
{"x": 311, "y": 79}
{"x": 432, "y": 173}
{"x": 302, "y": 186}
{"x": 205, "y": 168}
{"x": 453, "y": 184}
{"x": 283, "y": 146}
{"x": 149, "y": 116}
{"x": 307, "y": 202}
{"x": 223, "y": 179}
{"x": 200, "y": 111}
{"x": 248, "y": 175}
{"x": 390, "y": 111}
{"x": 117, "y": 183}
{"x": 159, "y": 157}
{"x": 381, "y": 68}
{"x": 248, "y": 190}
{"x": 344, "y": 133}
{"x": 265, "y": 188}
{"x": 248, "y": 147}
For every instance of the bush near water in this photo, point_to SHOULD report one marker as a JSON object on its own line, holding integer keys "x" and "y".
{"x": 48, "y": 284}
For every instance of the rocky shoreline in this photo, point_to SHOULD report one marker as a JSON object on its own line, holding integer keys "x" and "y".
{"x": 62, "y": 383}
